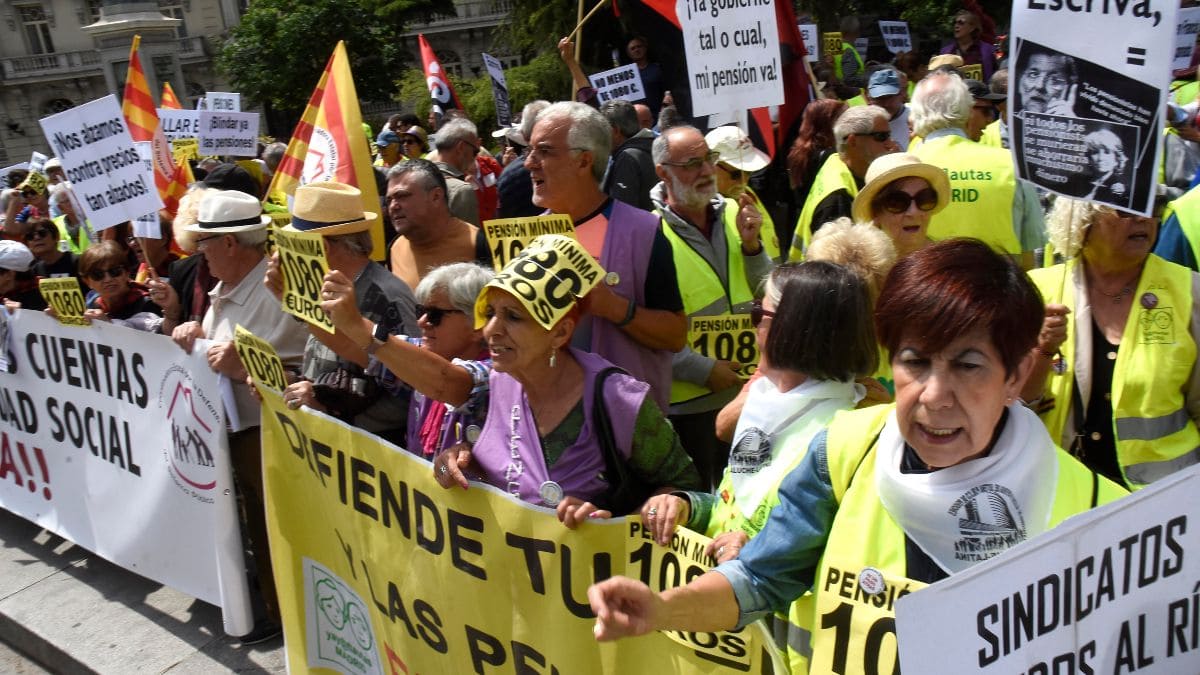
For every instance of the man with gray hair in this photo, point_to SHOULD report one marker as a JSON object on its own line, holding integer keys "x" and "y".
{"x": 985, "y": 200}
{"x": 630, "y": 174}
{"x": 516, "y": 192}
{"x": 457, "y": 143}
{"x": 862, "y": 134}
{"x": 430, "y": 236}
{"x": 635, "y": 317}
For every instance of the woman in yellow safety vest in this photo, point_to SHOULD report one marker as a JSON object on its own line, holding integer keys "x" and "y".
{"x": 891, "y": 498}
{"x": 1115, "y": 377}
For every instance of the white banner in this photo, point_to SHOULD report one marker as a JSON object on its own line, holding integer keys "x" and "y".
{"x": 178, "y": 124}
{"x": 1110, "y": 591}
{"x": 105, "y": 169}
{"x": 499, "y": 89}
{"x": 732, "y": 55}
{"x": 1185, "y": 37}
{"x": 623, "y": 83}
{"x": 812, "y": 40}
{"x": 223, "y": 101}
{"x": 896, "y": 36}
{"x": 1087, "y": 114}
{"x": 230, "y": 133}
{"x": 114, "y": 439}
{"x": 8, "y": 169}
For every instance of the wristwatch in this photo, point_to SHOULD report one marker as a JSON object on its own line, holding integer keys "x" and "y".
{"x": 379, "y": 337}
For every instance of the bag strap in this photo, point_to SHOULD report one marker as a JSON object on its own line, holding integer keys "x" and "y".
{"x": 615, "y": 469}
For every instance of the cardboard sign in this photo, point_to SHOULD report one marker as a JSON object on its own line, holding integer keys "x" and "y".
{"x": 726, "y": 337}
{"x": 499, "y": 90}
{"x": 732, "y": 55}
{"x": 972, "y": 72}
{"x": 896, "y": 36}
{"x": 177, "y": 124}
{"x": 831, "y": 45}
{"x": 37, "y": 162}
{"x": 104, "y": 166}
{"x": 547, "y": 278}
{"x": 624, "y": 83}
{"x": 234, "y": 133}
{"x": 1185, "y": 37}
{"x": 507, "y": 237}
{"x": 65, "y": 296}
{"x": 223, "y": 102}
{"x": 185, "y": 148}
{"x": 35, "y": 181}
{"x": 260, "y": 359}
{"x": 812, "y": 40}
{"x": 302, "y": 259}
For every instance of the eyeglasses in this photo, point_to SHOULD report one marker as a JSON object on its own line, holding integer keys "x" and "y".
{"x": 39, "y": 233}
{"x": 881, "y": 136}
{"x": 410, "y": 141}
{"x": 696, "y": 162}
{"x": 200, "y": 242}
{"x": 735, "y": 174}
{"x": 542, "y": 152}
{"x": 112, "y": 273}
{"x": 434, "y": 315}
{"x": 757, "y": 313}
{"x": 474, "y": 147}
{"x": 898, "y": 201}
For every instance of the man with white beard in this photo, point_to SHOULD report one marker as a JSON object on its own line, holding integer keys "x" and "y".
{"x": 719, "y": 262}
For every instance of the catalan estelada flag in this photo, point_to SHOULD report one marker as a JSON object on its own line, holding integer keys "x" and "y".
{"x": 328, "y": 144}
{"x": 142, "y": 119}
{"x": 168, "y": 98}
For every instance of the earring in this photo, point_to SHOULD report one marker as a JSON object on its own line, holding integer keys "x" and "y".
{"x": 553, "y": 357}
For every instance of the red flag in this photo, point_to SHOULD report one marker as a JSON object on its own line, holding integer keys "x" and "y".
{"x": 795, "y": 84}
{"x": 665, "y": 9}
{"x": 440, "y": 90}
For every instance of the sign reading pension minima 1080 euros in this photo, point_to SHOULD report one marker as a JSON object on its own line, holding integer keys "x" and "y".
{"x": 101, "y": 161}
{"x": 732, "y": 49}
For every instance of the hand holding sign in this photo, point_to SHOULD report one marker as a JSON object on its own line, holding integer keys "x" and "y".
{"x": 340, "y": 305}
{"x": 749, "y": 223}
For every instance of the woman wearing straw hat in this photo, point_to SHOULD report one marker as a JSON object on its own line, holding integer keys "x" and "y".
{"x": 1116, "y": 376}
{"x": 901, "y": 194}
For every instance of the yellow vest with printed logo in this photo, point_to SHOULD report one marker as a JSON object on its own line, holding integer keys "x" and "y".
{"x": 1153, "y": 432}
{"x": 1187, "y": 213}
{"x": 64, "y": 236}
{"x": 854, "y": 632}
{"x": 833, "y": 176}
{"x": 982, "y": 186}
{"x": 701, "y": 288}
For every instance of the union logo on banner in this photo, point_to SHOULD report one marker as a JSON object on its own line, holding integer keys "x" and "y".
{"x": 195, "y": 422}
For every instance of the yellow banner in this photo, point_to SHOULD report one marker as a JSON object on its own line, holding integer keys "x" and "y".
{"x": 302, "y": 259}
{"x": 260, "y": 359}
{"x": 507, "y": 237}
{"x": 831, "y": 45}
{"x": 185, "y": 148}
{"x": 380, "y": 570}
{"x": 726, "y": 337}
{"x": 64, "y": 295}
{"x": 547, "y": 278}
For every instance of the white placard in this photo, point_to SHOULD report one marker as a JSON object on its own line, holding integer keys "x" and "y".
{"x": 101, "y": 161}
{"x": 1086, "y": 114}
{"x": 223, "y": 101}
{"x": 1185, "y": 37}
{"x": 233, "y": 133}
{"x": 732, "y": 55}
{"x": 860, "y": 46}
{"x": 177, "y": 124}
{"x": 8, "y": 169}
{"x": 624, "y": 83}
{"x": 499, "y": 89}
{"x": 1110, "y": 591}
{"x": 37, "y": 162}
{"x": 812, "y": 40}
{"x": 896, "y": 36}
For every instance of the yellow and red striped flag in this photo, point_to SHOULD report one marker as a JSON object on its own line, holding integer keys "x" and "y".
{"x": 142, "y": 119}
{"x": 168, "y": 99}
{"x": 181, "y": 178}
{"x": 328, "y": 144}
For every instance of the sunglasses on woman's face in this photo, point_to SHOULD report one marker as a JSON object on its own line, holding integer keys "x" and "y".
{"x": 434, "y": 315}
{"x": 898, "y": 201}
{"x": 757, "y": 313}
{"x": 112, "y": 273}
{"x": 39, "y": 233}
{"x": 735, "y": 174}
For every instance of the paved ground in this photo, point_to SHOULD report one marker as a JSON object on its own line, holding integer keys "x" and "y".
{"x": 15, "y": 663}
{"x": 71, "y": 611}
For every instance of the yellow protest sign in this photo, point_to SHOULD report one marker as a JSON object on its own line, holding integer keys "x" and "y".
{"x": 380, "y": 570}
{"x": 726, "y": 337}
{"x": 260, "y": 359}
{"x": 65, "y": 296}
{"x": 34, "y": 181}
{"x": 507, "y": 237}
{"x": 972, "y": 72}
{"x": 185, "y": 148}
{"x": 831, "y": 45}
{"x": 547, "y": 278}
{"x": 302, "y": 259}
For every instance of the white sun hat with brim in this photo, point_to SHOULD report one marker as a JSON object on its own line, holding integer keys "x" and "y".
{"x": 892, "y": 167}
{"x": 735, "y": 148}
{"x": 329, "y": 208}
{"x": 228, "y": 212}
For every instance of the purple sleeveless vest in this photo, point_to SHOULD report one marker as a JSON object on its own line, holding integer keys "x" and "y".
{"x": 627, "y": 246}
{"x": 510, "y": 452}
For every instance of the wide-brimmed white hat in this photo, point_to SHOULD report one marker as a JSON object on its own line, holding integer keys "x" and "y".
{"x": 227, "y": 212}
{"x": 330, "y": 208}
{"x": 735, "y": 148}
{"x": 892, "y": 167}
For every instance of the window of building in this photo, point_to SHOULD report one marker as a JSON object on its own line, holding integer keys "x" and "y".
{"x": 174, "y": 9}
{"x": 93, "y": 11}
{"x": 37, "y": 29}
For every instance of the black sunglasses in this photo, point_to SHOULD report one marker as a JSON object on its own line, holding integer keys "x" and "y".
{"x": 29, "y": 194}
{"x": 757, "y": 313}
{"x": 112, "y": 272}
{"x": 434, "y": 315}
{"x": 881, "y": 136}
{"x": 735, "y": 174}
{"x": 898, "y": 201}
{"x": 37, "y": 234}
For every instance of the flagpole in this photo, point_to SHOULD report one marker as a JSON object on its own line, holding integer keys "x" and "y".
{"x": 582, "y": 20}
